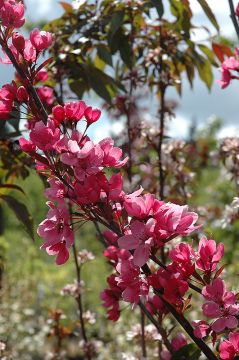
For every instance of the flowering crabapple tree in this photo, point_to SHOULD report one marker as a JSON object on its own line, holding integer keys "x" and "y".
{"x": 86, "y": 183}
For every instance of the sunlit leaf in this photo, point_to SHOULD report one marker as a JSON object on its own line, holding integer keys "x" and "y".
{"x": 66, "y": 6}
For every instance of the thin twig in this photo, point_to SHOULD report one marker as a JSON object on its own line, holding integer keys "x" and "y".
{"x": 189, "y": 329}
{"x": 79, "y": 302}
{"x": 143, "y": 343}
{"x": 161, "y": 331}
{"x": 233, "y": 17}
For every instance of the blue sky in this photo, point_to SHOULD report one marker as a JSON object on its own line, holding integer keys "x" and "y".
{"x": 195, "y": 104}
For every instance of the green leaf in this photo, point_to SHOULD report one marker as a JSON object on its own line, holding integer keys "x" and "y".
{"x": 158, "y": 4}
{"x": 189, "y": 351}
{"x": 11, "y": 187}
{"x": 104, "y": 54}
{"x": 116, "y": 22}
{"x": 209, "y": 13}
{"x": 125, "y": 51}
{"x": 98, "y": 84}
{"x": 21, "y": 213}
{"x": 208, "y": 52}
{"x": 78, "y": 87}
{"x": 204, "y": 70}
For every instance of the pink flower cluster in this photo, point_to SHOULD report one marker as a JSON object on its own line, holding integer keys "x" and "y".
{"x": 221, "y": 306}
{"x": 26, "y": 52}
{"x": 12, "y": 14}
{"x": 228, "y": 65}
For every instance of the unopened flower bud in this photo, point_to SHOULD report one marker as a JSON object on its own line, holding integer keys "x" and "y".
{"x": 22, "y": 94}
{"x": 18, "y": 41}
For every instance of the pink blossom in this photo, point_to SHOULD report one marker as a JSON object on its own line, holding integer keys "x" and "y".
{"x": 134, "y": 287}
{"x": 231, "y": 64}
{"x": 5, "y": 110}
{"x": 6, "y": 59}
{"x": 172, "y": 284}
{"x": 111, "y": 298}
{"x": 12, "y": 14}
{"x": 29, "y": 52}
{"x": 228, "y": 349}
{"x": 114, "y": 254}
{"x": 110, "y": 237}
{"x": 8, "y": 92}
{"x": 45, "y": 136}
{"x": 27, "y": 146}
{"x": 92, "y": 115}
{"x": 58, "y": 113}
{"x": 221, "y": 306}
{"x": 115, "y": 185}
{"x": 225, "y": 78}
{"x": 56, "y": 191}
{"x": 42, "y": 75}
{"x": 182, "y": 256}
{"x": 61, "y": 251}
{"x": 139, "y": 206}
{"x": 74, "y": 111}
{"x": 179, "y": 341}
{"x": 209, "y": 255}
{"x": 56, "y": 227}
{"x": 140, "y": 239}
{"x": 18, "y": 41}
{"x": 88, "y": 192}
{"x": 174, "y": 219}
{"x": 87, "y": 160}
{"x": 41, "y": 40}
{"x": 112, "y": 154}
{"x": 155, "y": 305}
{"x": 201, "y": 329}
{"x": 46, "y": 95}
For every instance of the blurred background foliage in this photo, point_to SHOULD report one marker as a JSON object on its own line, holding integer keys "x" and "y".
{"x": 122, "y": 51}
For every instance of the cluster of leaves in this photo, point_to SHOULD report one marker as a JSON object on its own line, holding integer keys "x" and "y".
{"x": 104, "y": 45}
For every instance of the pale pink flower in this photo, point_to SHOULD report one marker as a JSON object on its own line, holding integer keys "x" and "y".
{"x": 112, "y": 154}
{"x": 27, "y": 146}
{"x": 174, "y": 219}
{"x": 140, "y": 239}
{"x": 134, "y": 287}
{"x": 221, "y": 306}
{"x": 41, "y": 40}
{"x": 56, "y": 191}
{"x": 45, "y": 136}
{"x": 56, "y": 227}
{"x": 209, "y": 254}
{"x": 46, "y": 94}
{"x": 29, "y": 52}
{"x": 74, "y": 111}
{"x": 139, "y": 206}
{"x": 61, "y": 252}
{"x": 201, "y": 329}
